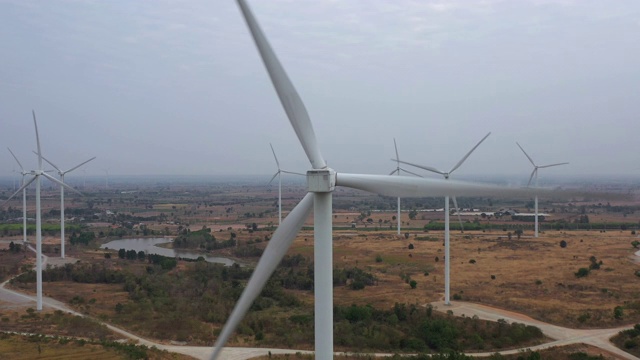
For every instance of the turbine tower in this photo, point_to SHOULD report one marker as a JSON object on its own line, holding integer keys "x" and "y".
{"x": 279, "y": 175}
{"x": 321, "y": 182}
{"x": 535, "y": 173}
{"x": 24, "y": 198}
{"x": 447, "y": 236}
{"x": 36, "y": 177}
{"x": 62, "y": 173}
{"x": 397, "y": 171}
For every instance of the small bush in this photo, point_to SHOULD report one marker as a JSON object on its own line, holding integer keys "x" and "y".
{"x": 378, "y": 258}
{"x": 563, "y": 244}
{"x": 413, "y": 284}
{"x": 582, "y": 272}
{"x": 618, "y": 312}
{"x": 410, "y": 246}
{"x": 472, "y": 261}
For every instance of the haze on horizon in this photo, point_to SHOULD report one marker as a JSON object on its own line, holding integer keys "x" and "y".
{"x": 178, "y": 88}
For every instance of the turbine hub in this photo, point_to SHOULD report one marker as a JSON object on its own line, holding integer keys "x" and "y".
{"x": 321, "y": 180}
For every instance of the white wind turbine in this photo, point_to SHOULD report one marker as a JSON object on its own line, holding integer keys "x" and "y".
{"x": 397, "y": 171}
{"x": 321, "y": 182}
{"x": 535, "y": 173}
{"x": 36, "y": 177}
{"x": 279, "y": 175}
{"x": 447, "y": 239}
{"x": 24, "y": 198}
{"x": 62, "y": 173}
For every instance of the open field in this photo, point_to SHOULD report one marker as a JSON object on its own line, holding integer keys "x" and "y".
{"x": 494, "y": 266}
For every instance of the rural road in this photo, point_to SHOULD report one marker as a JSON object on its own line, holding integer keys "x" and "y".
{"x": 562, "y": 336}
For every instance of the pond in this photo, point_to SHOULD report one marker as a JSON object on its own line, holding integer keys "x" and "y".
{"x": 148, "y": 245}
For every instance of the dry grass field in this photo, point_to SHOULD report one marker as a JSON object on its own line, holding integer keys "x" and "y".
{"x": 532, "y": 276}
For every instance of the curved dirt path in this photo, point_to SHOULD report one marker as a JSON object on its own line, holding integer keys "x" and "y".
{"x": 561, "y": 335}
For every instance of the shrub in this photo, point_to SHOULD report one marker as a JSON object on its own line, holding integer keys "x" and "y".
{"x": 379, "y": 258}
{"x": 582, "y": 272}
{"x": 410, "y": 246}
{"x": 472, "y": 261}
{"x": 563, "y": 244}
{"x": 413, "y": 284}
{"x": 618, "y": 312}
{"x": 493, "y": 277}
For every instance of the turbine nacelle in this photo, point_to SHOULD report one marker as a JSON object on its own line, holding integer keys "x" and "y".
{"x": 321, "y": 180}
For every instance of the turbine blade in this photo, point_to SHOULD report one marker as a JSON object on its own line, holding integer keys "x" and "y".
{"x": 293, "y": 105}
{"x": 292, "y": 172}
{"x": 50, "y": 163}
{"x": 274, "y": 252}
{"x": 469, "y": 153}
{"x": 274, "y": 156}
{"x": 77, "y": 166}
{"x": 403, "y": 186}
{"x": 37, "y": 140}
{"x": 394, "y": 171}
{"x": 19, "y": 190}
{"x": 396, "y": 146}
{"x": 546, "y": 166}
{"x": 455, "y": 204}
{"x": 61, "y": 183}
{"x": 428, "y": 168}
{"x": 525, "y": 154}
{"x": 274, "y": 176}
{"x": 16, "y": 159}
{"x": 531, "y": 177}
{"x": 410, "y": 172}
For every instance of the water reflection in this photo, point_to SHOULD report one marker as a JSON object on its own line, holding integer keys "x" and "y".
{"x": 148, "y": 245}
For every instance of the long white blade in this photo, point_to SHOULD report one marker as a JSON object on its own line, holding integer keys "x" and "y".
{"x": 558, "y": 164}
{"x": 274, "y": 156}
{"x": 410, "y": 172}
{"x": 394, "y": 171}
{"x": 274, "y": 252}
{"x": 396, "y": 146}
{"x": 19, "y": 190}
{"x": 293, "y": 172}
{"x": 14, "y": 156}
{"x": 535, "y": 169}
{"x": 525, "y": 154}
{"x": 50, "y": 163}
{"x": 37, "y": 140}
{"x": 61, "y": 183}
{"x": 428, "y": 168}
{"x": 293, "y": 105}
{"x": 77, "y": 166}
{"x": 455, "y": 204}
{"x": 403, "y": 186}
{"x": 469, "y": 153}
{"x": 274, "y": 176}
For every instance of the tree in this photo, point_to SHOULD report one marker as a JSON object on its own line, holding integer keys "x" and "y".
{"x": 410, "y": 246}
{"x": 413, "y": 214}
{"x": 413, "y": 284}
{"x": 406, "y": 235}
{"x": 618, "y": 312}
{"x": 518, "y": 233}
{"x": 122, "y": 253}
{"x": 582, "y": 272}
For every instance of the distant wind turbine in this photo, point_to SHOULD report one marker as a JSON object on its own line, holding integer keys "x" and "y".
{"x": 397, "y": 171}
{"x": 447, "y": 174}
{"x": 279, "y": 175}
{"x": 36, "y": 177}
{"x": 62, "y": 173}
{"x": 24, "y": 198}
{"x": 535, "y": 173}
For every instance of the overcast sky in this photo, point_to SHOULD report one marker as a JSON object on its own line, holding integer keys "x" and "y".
{"x": 177, "y": 87}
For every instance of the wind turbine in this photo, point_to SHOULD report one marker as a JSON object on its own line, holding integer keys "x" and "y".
{"x": 279, "y": 175}
{"x": 321, "y": 181}
{"x": 36, "y": 177}
{"x": 447, "y": 239}
{"x": 62, "y": 173}
{"x": 535, "y": 173}
{"x": 397, "y": 171}
{"x": 24, "y": 198}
